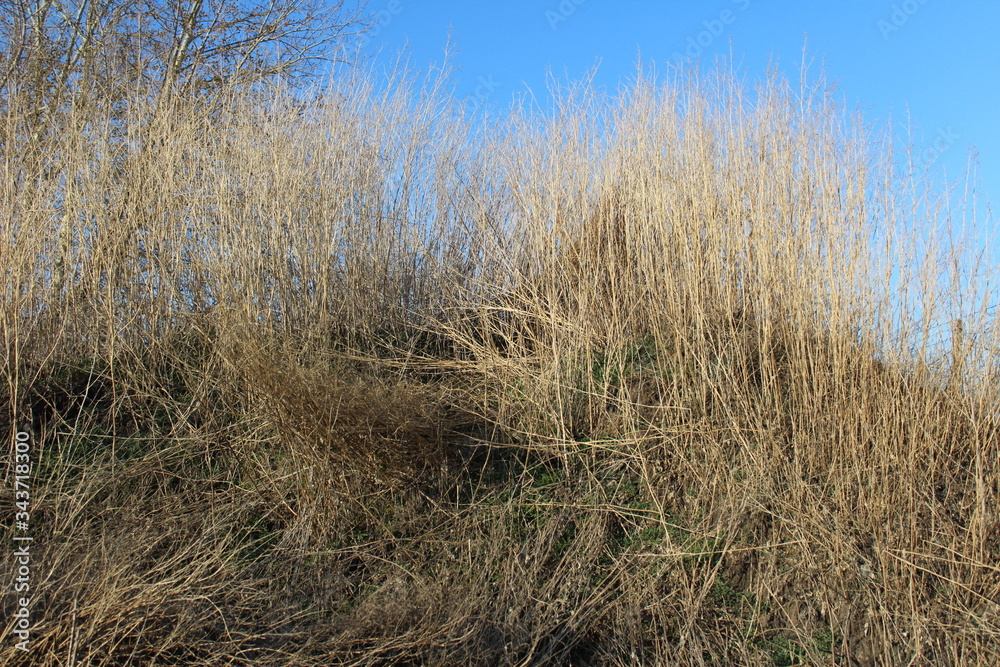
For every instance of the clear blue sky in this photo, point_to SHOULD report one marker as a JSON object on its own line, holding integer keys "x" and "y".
{"x": 938, "y": 58}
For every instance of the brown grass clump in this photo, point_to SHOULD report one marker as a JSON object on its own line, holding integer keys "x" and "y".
{"x": 648, "y": 380}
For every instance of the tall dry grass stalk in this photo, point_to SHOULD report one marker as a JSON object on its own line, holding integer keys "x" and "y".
{"x": 356, "y": 378}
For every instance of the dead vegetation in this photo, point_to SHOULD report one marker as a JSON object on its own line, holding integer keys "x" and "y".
{"x": 646, "y": 381}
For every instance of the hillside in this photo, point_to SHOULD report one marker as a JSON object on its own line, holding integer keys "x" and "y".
{"x": 646, "y": 379}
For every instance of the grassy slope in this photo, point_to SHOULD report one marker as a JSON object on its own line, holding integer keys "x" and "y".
{"x": 372, "y": 384}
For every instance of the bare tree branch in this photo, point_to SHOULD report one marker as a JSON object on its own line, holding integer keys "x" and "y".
{"x": 67, "y": 52}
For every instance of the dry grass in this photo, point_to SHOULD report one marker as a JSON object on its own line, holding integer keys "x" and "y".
{"x": 647, "y": 380}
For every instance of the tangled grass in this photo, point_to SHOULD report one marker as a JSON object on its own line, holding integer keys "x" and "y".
{"x": 647, "y": 380}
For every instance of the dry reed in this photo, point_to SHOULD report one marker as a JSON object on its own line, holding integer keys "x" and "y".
{"x": 654, "y": 379}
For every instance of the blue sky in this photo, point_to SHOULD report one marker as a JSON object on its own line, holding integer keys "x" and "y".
{"x": 938, "y": 59}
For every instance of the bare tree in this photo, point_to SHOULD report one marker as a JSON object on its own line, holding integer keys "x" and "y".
{"x": 59, "y": 54}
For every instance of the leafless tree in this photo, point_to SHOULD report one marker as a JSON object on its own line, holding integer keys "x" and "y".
{"x": 63, "y": 54}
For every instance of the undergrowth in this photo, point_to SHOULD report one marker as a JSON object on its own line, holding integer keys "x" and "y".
{"x": 632, "y": 382}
